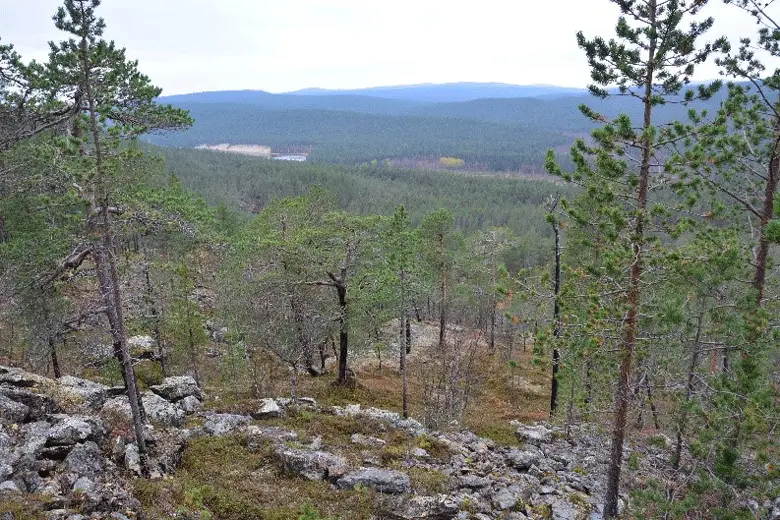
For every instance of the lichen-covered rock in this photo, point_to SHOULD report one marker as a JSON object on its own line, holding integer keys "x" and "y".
{"x": 9, "y": 486}
{"x": 39, "y": 404}
{"x": 269, "y": 409}
{"x": 177, "y": 388}
{"x": 190, "y": 404}
{"x": 382, "y": 480}
{"x": 13, "y": 411}
{"x": 364, "y": 440}
{"x": 257, "y": 435}
{"x": 522, "y": 460}
{"x": 224, "y": 423}
{"x": 21, "y": 378}
{"x": 85, "y": 460}
{"x": 74, "y": 429}
{"x": 533, "y": 434}
{"x": 312, "y": 465}
{"x": 132, "y": 459}
{"x": 73, "y": 390}
{"x": 160, "y": 411}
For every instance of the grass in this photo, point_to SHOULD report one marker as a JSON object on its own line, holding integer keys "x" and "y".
{"x": 222, "y": 479}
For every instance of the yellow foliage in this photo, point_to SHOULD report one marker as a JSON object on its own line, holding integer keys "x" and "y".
{"x": 451, "y": 162}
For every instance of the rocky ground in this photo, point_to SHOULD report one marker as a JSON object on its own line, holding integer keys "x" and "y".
{"x": 67, "y": 452}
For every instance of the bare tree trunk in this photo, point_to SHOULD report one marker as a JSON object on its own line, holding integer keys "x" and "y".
{"x": 156, "y": 321}
{"x": 683, "y": 421}
{"x": 556, "y": 356}
{"x": 408, "y": 334}
{"x": 341, "y": 290}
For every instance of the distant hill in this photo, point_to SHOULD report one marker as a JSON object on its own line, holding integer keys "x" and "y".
{"x": 449, "y": 92}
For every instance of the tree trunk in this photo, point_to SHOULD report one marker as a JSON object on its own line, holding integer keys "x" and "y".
{"x": 408, "y": 334}
{"x": 556, "y": 356}
{"x": 341, "y": 290}
{"x": 443, "y": 282}
{"x": 631, "y": 324}
{"x": 55, "y": 362}
{"x": 107, "y": 270}
{"x": 405, "y": 390}
{"x": 683, "y": 421}
{"x": 767, "y": 212}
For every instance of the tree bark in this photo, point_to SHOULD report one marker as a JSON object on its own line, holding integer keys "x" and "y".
{"x": 623, "y": 395}
{"x": 683, "y": 421}
{"x": 556, "y": 356}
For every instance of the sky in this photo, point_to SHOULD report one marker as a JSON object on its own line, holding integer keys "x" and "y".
{"x": 284, "y": 45}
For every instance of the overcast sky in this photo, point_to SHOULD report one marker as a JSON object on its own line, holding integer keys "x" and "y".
{"x": 283, "y": 45}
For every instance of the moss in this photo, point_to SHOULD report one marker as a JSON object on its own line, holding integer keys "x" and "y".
{"x": 428, "y": 481}
{"x": 149, "y": 373}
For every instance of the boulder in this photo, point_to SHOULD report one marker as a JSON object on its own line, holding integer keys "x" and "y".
{"x": 19, "y": 378}
{"x": 269, "y": 409}
{"x": 39, "y": 405}
{"x": 190, "y": 404}
{"x": 364, "y": 440}
{"x": 85, "y": 460}
{"x": 382, "y": 480}
{"x": 536, "y": 434}
{"x": 257, "y": 435}
{"x": 12, "y": 411}
{"x": 83, "y": 485}
{"x": 224, "y": 423}
{"x": 160, "y": 411}
{"x": 9, "y": 487}
{"x": 82, "y": 391}
{"x": 438, "y": 507}
{"x": 177, "y": 388}
{"x": 522, "y": 460}
{"x": 5, "y": 471}
{"x": 74, "y": 429}
{"x": 141, "y": 346}
{"x": 34, "y": 437}
{"x": 506, "y": 498}
{"x": 312, "y": 465}
{"x": 132, "y": 459}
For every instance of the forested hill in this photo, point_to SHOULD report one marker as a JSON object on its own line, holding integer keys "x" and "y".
{"x": 353, "y": 127}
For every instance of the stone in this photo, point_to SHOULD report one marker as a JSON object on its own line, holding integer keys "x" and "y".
{"x": 161, "y": 411}
{"x": 132, "y": 459}
{"x": 522, "y": 460}
{"x": 473, "y": 482}
{"x": 9, "y": 487}
{"x": 257, "y": 435}
{"x": 382, "y": 480}
{"x": 269, "y": 409}
{"x": 34, "y": 437}
{"x": 13, "y": 411}
{"x": 438, "y": 507}
{"x": 40, "y": 405}
{"x": 177, "y": 388}
{"x": 364, "y": 440}
{"x": 141, "y": 346}
{"x": 83, "y": 485}
{"x": 21, "y": 378}
{"x": 70, "y": 430}
{"x": 505, "y": 498}
{"x": 533, "y": 434}
{"x": 224, "y": 423}
{"x": 5, "y": 471}
{"x": 190, "y": 404}
{"x": 420, "y": 453}
{"x": 85, "y": 460}
{"x": 91, "y": 394}
{"x": 312, "y": 465}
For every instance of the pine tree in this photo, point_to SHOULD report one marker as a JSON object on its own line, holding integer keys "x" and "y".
{"x": 653, "y": 57}
{"x": 111, "y": 101}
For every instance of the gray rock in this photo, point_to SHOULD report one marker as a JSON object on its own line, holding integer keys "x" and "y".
{"x": 473, "y": 482}
{"x": 190, "y": 404}
{"x": 382, "y": 480}
{"x": 439, "y": 507}
{"x": 269, "y": 409}
{"x": 9, "y": 487}
{"x": 12, "y": 411}
{"x": 85, "y": 460}
{"x": 364, "y": 440}
{"x": 312, "y": 465}
{"x": 505, "y": 498}
{"x": 20, "y": 378}
{"x": 420, "y": 453}
{"x": 83, "y": 485}
{"x": 257, "y": 435}
{"x": 522, "y": 460}
{"x": 34, "y": 437}
{"x": 70, "y": 430}
{"x": 161, "y": 411}
{"x": 5, "y": 471}
{"x": 224, "y": 423}
{"x": 89, "y": 393}
{"x": 117, "y": 409}
{"x": 177, "y": 388}
{"x": 39, "y": 404}
{"x": 533, "y": 434}
{"x": 132, "y": 459}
